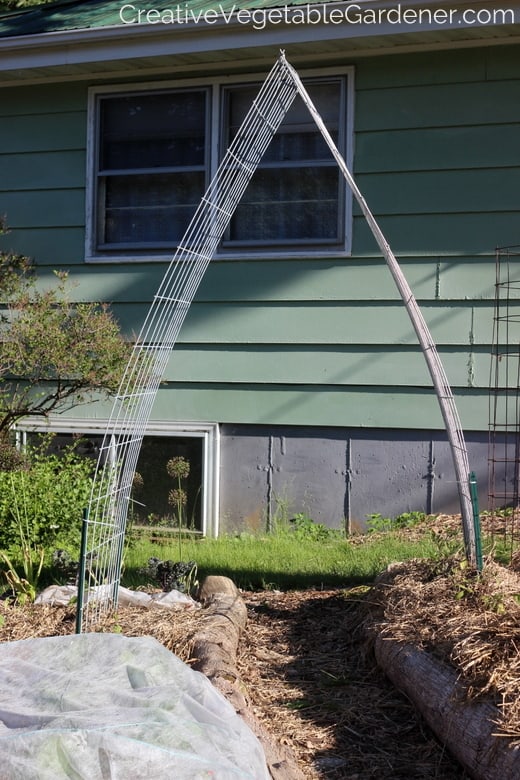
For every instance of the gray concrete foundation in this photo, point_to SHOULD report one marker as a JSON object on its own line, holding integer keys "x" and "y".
{"x": 338, "y": 477}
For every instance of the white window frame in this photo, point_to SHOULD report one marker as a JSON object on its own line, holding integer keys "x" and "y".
{"x": 100, "y": 208}
{"x": 216, "y": 86}
{"x": 209, "y": 433}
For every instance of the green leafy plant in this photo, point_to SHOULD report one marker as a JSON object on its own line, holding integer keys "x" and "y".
{"x": 23, "y": 588}
{"x": 41, "y": 506}
{"x": 179, "y": 576}
{"x": 32, "y": 555}
{"x": 447, "y": 541}
{"x": 376, "y": 523}
{"x": 54, "y": 352}
{"x": 55, "y": 489}
{"x": 410, "y": 519}
{"x": 305, "y": 527}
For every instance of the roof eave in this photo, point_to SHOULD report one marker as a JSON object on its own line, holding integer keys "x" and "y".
{"x": 48, "y": 54}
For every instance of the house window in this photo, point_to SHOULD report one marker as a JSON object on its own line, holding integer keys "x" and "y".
{"x": 154, "y": 151}
{"x": 151, "y": 167}
{"x": 296, "y": 196}
{"x": 198, "y": 443}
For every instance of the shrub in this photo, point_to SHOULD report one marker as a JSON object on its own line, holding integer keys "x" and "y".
{"x": 41, "y": 504}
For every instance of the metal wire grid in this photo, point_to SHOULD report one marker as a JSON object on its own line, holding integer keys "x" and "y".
{"x": 440, "y": 381}
{"x": 131, "y": 411}
{"x": 504, "y": 394}
{"x": 121, "y": 444}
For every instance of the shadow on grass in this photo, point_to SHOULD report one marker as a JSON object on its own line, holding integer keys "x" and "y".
{"x": 262, "y": 580}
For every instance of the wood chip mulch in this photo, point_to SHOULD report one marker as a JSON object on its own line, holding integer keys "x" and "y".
{"x": 309, "y": 674}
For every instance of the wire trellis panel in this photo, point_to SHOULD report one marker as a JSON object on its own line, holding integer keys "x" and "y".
{"x": 117, "y": 461}
{"x": 108, "y": 507}
{"x": 504, "y": 395}
{"x": 438, "y": 376}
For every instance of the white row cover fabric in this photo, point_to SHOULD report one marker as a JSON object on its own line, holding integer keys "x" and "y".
{"x": 65, "y": 595}
{"x": 109, "y": 707}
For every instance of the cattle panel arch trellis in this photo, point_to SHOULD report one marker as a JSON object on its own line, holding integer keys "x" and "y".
{"x": 105, "y": 521}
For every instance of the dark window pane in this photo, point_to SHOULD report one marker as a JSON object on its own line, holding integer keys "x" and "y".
{"x": 163, "y": 132}
{"x": 299, "y": 204}
{"x": 325, "y": 95}
{"x": 150, "y": 208}
{"x": 296, "y": 194}
{"x": 298, "y": 147}
{"x": 147, "y": 131}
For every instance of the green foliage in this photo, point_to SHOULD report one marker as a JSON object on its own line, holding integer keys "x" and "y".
{"x": 54, "y": 352}
{"x": 41, "y": 505}
{"x": 282, "y": 561}
{"x": 172, "y": 576}
{"x": 304, "y": 527}
{"x": 16, "y": 5}
{"x": 24, "y": 588}
{"x": 377, "y": 523}
{"x": 299, "y": 525}
{"x": 11, "y": 458}
{"x": 448, "y": 541}
{"x": 410, "y": 519}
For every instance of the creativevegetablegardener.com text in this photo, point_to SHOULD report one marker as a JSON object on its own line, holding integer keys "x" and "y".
{"x": 327, "y": 13}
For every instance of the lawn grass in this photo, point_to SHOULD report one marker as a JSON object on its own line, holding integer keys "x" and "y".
{"x": 281, "y": 561}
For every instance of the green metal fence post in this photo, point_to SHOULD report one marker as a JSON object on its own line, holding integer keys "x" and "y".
{"x": 81, "y": 572}
{"x": 476, "y": 519}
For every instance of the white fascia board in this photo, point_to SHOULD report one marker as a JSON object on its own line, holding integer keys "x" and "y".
{"x": 130, "y": 41}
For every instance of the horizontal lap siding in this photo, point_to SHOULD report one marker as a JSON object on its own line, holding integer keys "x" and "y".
{"x": 366, "y": 407}
{"x": 436, "y": 156}
{"x": 42, "y": 172}
{"x": 437, "y": 151}
{"x": 317, "y": 281}
{"x": 319, "y": 341}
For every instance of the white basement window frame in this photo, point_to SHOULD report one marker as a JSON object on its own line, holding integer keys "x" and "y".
{"x": 297, "y": 186}
{"x": 208, "y": 433}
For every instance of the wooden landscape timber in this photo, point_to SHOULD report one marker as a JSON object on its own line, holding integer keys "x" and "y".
{"x": 214, "y": 649}
{"x": 446, "y": 636}
{"x": 467, "y": 728}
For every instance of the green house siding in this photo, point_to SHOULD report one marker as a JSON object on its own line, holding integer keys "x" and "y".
{"x": 315, "y": 341}
{"x": 43, "y": 132}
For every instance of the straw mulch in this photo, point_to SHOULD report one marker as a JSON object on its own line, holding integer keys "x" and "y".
{"x": 468, "y": 620}
{"x": 311, "y": 680}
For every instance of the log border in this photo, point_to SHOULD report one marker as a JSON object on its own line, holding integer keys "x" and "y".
{"x": 466, "y": 727}
{"x": 214, "y": 653}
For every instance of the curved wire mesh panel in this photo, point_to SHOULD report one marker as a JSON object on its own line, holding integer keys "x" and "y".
{"x": 131, "y": 411}
{"x": 438, "y": 376}
{"x": 119, "y": 452}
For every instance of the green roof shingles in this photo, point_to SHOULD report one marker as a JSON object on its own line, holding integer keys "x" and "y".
{"x": 90, "y": 14}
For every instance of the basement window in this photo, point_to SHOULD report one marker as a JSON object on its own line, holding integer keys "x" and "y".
{"x": 151, "y": 507}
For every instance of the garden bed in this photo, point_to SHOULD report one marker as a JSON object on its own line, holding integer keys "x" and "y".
{"x": 306, "y": 670}
{"x": 307, "y": 661}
